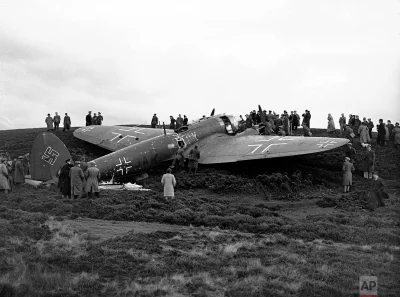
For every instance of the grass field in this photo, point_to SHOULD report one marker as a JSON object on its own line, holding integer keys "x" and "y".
{"x": 276, "y": 228}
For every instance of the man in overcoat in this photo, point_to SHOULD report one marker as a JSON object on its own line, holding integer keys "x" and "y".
{"x": 49, "y": 122}
{"x": 370, "y": 125}
{"x": 154, "y": 121}
{"x": 347, "y": 170}
{"x": 369, "y": 163}
{"x": 19, "y": 175}
{"x": 377, "y": 192}
{"x": 67, "y": 122}
{"x": 89, "y": 119}
{"x": 92, "y": 175}
{"x": 77, "y": 177}
{"x": 194, "y": 156}
{"x": 57, "y": 120}
{"x": 381, "y": 133}
{"x": 342, "y": 123}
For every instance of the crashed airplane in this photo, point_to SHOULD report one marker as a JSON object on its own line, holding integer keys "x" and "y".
{"x": 134, "y": 150}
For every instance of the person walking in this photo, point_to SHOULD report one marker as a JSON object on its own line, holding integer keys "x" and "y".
{"x": 49, "y": 122}
{"x": 194, "y": 156}
{"x": 369, "y": 163}
{"x": 77, "y": 178}
{"x": 169, "y": 182}
{"x": 4, "y": 181}
{"x": 331, "y": 124}
{"x": 57, "y": 120}
{"x": 347, "y": 170}
{"x": 67, "y": 122}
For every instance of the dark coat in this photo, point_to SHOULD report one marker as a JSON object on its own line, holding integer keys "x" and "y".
{"x": 77, "y": 177}
{"x": 351, "y": 153}
{"x": 378, "y": 193}
{"x": 185, "y": 121}
{"x": 67, "y": 121}
{"x": 19, "y": 175}
{"x": 64, "y": 181}
{"x": 369, "y": 161}
{"x": 88, "y": 120}
{"x": 194, "y": 156}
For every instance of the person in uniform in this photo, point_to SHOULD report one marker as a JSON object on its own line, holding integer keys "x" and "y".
{"x": 19, "y": 175}
{"x": 92, "y": 175}
{"x": 194, "y": 156}
{"x": 369, "y": 162}
{"x": 99, "y": 119}
{"x": 49, "y": 122}
{"x": 347, "y": 170}
{"x": 77, "y": 177}
{"x": 169, "y": 182}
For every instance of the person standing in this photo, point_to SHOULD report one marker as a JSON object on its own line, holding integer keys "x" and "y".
{"x": 89, "y": 119}
{"x": 390, "y": 127}
{"x": 154, "y": 121}
{"x": 351, "y": 152}
{"x": 347, "y": 170}
{"x": 364, "y": 133}
{"x": 77, "y": 177}
{"x": 331, "y": 124}
{"x": 307, "y": 118}
{"x": 64, "y": 180}
{"x": 369, "y": 163}
{"x": 94, "y": 119}
{"x": 57, "y": 120}
{"x": 296, "y": 120}
{"x": 185, "y": 120}
{"x": 378, "y": 191}
{"x": 396, "y": 135}
{"x": 370, "y": 125}
{"x": 172, "y": 123}
{"x": 10, "y": 174}
{"x": 92, "y": 175}
{"x": 99, "y": 119}
{"x": 4, "y": 182}
{"x": 386, "y": 135}
{"x": 342, "y": 123}
{"x": 306, "y": 130}
{"x": 169, "y": 182}
{"x": 49, "y": 121}
{"x": 356, "y": 125}
{"x": 381, "y": 132}
{"x": 67, "y": 122}
{"x": 179, "y": 122}
{"x": 194, "y": 156}
{"x": 179, "y": 161}
{"x": 19, "y": 175}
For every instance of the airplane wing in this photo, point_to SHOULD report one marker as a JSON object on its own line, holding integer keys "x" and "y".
{"x": 222, "y": 148}
{"x": 114, "y": 138}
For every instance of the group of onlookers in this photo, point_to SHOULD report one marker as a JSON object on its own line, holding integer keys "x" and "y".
{"x": 78, "y": 178}
{"x": 12, "y": 172}
{"x": 174, "y": 124}
{"x": 96, "y": 119}
{"x": 53, "y": 123}
{"x": 387, "y": 133}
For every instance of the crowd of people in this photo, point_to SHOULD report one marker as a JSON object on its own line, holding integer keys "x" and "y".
{"x": 12, "y": 172}
{"x": 77, "y": 179}
{"x": 174, "y": 124}
{"x": 53, "y": 123}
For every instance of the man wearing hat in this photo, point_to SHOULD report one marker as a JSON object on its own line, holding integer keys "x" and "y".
{"x": 347, "y": 170}
{"x": 377, "y": 192}
{"x": 4, "y": 174}
{"x": 92, "y": 175}
{"x": 350, "y": 152}
{"x": 49, "y": 121}
{"x": 77, "y": 177}
{"x": 369, "y": 162}
{"x": 89, "y": 119}
{"x": 19, "y": 175}
{"x": 99, "y": 118}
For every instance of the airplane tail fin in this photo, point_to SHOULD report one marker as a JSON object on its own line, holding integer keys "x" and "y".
{"x": 48, "y": 154}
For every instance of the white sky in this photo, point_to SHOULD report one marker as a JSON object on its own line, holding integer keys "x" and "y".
{"x": 130, "y": 59}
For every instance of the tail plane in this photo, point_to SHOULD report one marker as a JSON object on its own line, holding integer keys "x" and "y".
{"x": 48, "y": 154}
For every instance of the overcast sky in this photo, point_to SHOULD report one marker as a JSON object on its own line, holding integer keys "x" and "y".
{"x": 130, "y": 59}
